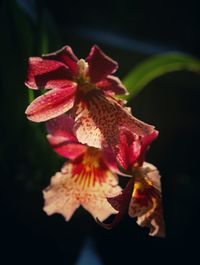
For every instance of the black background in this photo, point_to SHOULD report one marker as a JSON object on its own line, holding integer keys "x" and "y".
{"x": 170, "y": 102}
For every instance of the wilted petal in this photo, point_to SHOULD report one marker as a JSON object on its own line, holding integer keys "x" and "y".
{"x": 66, "y": 56}
{"x": 51, "y": 104}
{"x": 100, "y": 65}
{"x": 86, "y": 182}
{"x": 146, "y": 202}
{"x": 47, "y": 74}
{"x": 112, "y": 85}
{"x": 100, "y": 119}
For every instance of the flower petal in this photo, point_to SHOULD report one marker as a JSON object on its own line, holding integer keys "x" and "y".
{"x": 128, "y": 149}
{"x": 100, "y": 119}
{"x": 61, "y": 197}
{"x": 110, "y": 160}
{"x": 100, "y": 65}
{"x": 146, "y": 202}
{"x": 65, "y": 148}
{"x": 145, "y": 145}
{"x": 66, "y": 56}
{"x": 62, "y": 126}
{"x": 112, "y": 85}
{"x": 98, "y": 205}
{"x": 81, "y": 182}
{"x": 51, "y": 104}
{"x": 120, "y": 202}
{"x": 47, "y": 74}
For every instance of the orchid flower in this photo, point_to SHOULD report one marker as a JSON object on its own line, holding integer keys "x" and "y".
{"x": 86, "y": 89}
{"x": 141, "y": 198}
{"x": 86, "y": 179}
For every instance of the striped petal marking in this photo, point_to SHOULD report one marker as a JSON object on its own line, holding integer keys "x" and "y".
{"x": 87, "y": 182}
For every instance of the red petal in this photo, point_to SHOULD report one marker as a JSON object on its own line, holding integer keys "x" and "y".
{"x": 120, "y": 203}
{"x": 65, "y": 148}
{"x": 62, "y": 126}
{"x": 47, "y": 74}
{"x": 110, "y": 161}
{"x": 66, "y": 56}
{"x": 112, "y": 85}
{"x": 51, "y": 104}
{"x": 128, "y": 149}
{"x": 100, "y": 65}
{"x": 145, "y": 144}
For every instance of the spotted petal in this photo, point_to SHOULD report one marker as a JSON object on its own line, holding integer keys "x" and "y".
{"x": 61, "y": 197}
{"x": 47, "y": 74}
{"x": 100, "y": 119}
{"x": 51, "y": 104}
{"x": 100, "y": 65}
{"x": 81, "y": 184}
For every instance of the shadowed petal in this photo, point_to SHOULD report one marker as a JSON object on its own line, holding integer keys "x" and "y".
{"x": 100, "y": 119}
{"x": 62, "y": 126}
{"x": 51, "y": 104}
{"x": 120, "y": 202}
{"x": 100, "y": 65}
{"x": 62, "y": 138}
{"x": 66, "y": 148}
{"x": 47, "y": 74}
{"x": 66, "y": 56}
{"x": 112, "y": 85}
{"x": 146, "y": 202}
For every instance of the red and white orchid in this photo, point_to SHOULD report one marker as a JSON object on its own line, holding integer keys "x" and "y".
{"x": 86, "y": 179}
{"x": 86, "y": 89}
{"x": 97, "y": 135}
{"x": 142, "y": 199}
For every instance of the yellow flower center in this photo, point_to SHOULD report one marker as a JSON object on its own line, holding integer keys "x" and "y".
{"x": 91, "y": 158}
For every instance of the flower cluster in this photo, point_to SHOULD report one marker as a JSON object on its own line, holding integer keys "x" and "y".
{"x": 99, "y": 137}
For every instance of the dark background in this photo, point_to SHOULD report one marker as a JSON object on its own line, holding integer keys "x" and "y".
{"x": 129, "y": 31}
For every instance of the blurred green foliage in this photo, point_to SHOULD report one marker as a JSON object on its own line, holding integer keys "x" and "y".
{"x": 157, "y": 66}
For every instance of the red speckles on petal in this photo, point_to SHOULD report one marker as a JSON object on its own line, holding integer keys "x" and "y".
{"x": 48, "y": 74}
{"x": 100, "y": 65}
{"x": 81, "y": 184}
{"x": 51, "y": 104}
{"x": 100, "y": 119}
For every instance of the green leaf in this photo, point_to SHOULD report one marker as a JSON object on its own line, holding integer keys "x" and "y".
{"x": 157, "y": 66}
